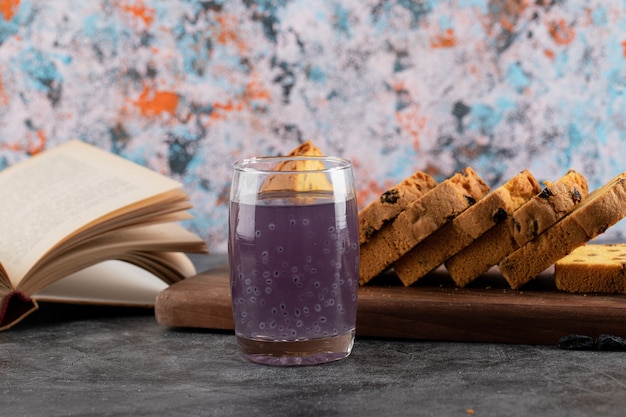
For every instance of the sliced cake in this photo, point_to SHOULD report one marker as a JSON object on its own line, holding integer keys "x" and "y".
{"x": 466, "y": 227}
{"x": 421, "y": 218}
{"x": 554, "y": 202}
{"x": 393, "y": 201}
{"x": 602, "y": 209}
{"x": 593, "y": 268}
{"x": 299, "y": 181}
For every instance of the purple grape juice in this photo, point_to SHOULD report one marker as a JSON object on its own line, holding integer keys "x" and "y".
{"x": 294, "y": 275}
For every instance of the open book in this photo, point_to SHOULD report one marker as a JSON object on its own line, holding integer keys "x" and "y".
{"x": 79, "y": 217}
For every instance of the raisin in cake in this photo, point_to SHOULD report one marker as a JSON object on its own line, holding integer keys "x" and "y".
{"x": 466, "y": 227}
{"x": 602, "y": 209}
{"x": 421, "y": 218}
{"x": 392, "y": 202}
{"x": 593, "y": 268}
{"x": 554, "y": 202}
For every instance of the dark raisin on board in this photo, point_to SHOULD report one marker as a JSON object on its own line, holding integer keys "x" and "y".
{"x": 606, "y": 342}
{"x": 610, "y": 342}
{"x": 576, "y": 342}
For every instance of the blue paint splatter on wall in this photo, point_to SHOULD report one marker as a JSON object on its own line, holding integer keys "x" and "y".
{"x": 188, "y": 86}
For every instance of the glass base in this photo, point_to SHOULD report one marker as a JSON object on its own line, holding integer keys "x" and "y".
{"x": 302, "y": 352}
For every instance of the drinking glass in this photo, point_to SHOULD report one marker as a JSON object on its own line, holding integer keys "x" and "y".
{"x": 294, "y": 259}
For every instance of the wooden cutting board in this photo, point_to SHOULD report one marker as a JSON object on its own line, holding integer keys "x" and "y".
{"x": 434, "y": 309}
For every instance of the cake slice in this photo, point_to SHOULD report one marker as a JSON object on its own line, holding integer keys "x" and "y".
{"x": 384, "y": 209}
{"x": 483, "y": 253}
{"x": 554, "y": 202}
{"x": 421, "y": 218}
{"x": 593, "y": 268}
{"x": 602, "y": 209}
{"x": 307, "y": 148}
{"x": 299, "y": 181}
{"x": 466, "y": 227}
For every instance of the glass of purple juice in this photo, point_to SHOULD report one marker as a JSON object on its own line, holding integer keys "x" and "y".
{"x": 294, "y": 259}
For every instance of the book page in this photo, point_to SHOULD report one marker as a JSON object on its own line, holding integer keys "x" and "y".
{"x": 110, "y": 283}
{"x": 120, "y": 245}
{"x": 51, "y": 195}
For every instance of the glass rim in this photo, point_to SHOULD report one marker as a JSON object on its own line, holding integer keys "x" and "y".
{"x": 267, "y": 164}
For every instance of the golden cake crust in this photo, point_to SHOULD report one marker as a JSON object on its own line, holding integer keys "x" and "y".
{"x": 593, "y": 268}
{"x": 421, "y": 218}
{"x": 482, "y": 254}
{"x": 466, "y": 227}
{"x": 554, "y": 202}
{"x": 602, "y": 209}
{"x": 299, "y": 182}
{"x": 393, "y": 201}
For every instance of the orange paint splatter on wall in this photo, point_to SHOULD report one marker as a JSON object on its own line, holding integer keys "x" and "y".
{"x": 35, "y": 143}
{"x": 152, "y": 103}
{"x": 446, "y": 39}
{"x": 228, "y": 32}
{"x": 412, "y": 123}
{"x": 220, "y": 110}
{"x": 4, "y": 97}
{"x": 506, "y": 14}
{"x": 8, "y": 8}
{"x": 624, "y": 48}
{"x": 138, "y": 10}
{"x": 561, "y": 33}
{"x": 254, "y": 93}
{"x": 549, "y": 53}
{"x": 507, "y": 24}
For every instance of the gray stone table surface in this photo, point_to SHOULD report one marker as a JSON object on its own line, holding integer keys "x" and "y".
{"x": 70, "y": 360}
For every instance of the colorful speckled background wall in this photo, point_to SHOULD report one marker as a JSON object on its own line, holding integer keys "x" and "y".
{"x": 188, "y": 86}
